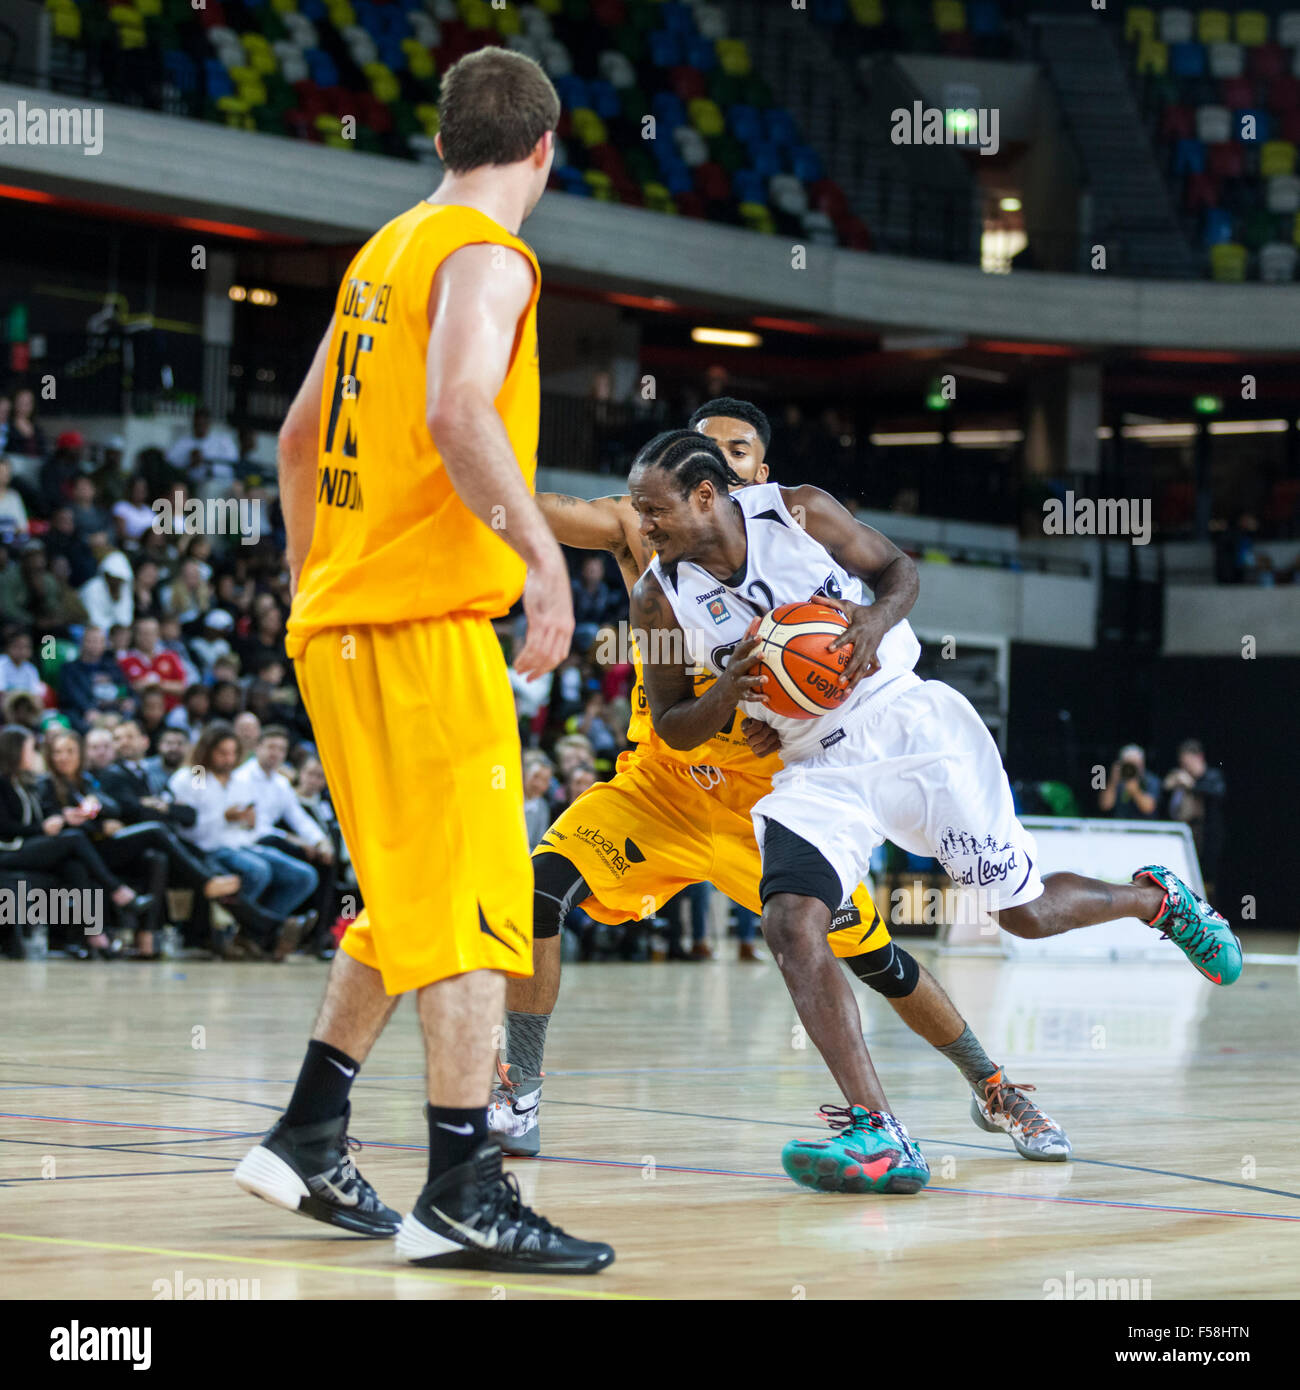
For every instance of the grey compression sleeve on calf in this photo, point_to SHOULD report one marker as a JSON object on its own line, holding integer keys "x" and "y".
{"x": 967, "y": 1054}
{"x": 526, "y": 1041}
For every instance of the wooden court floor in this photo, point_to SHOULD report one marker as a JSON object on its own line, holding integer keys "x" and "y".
{"x": 128, "y": 1093}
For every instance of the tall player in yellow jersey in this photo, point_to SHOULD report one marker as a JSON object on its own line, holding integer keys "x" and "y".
{"x": 406, "y": 471}
{"x": 670, "y": 818}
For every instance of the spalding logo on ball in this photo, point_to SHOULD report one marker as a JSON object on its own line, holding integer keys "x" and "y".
{"x": 794, "y": 650}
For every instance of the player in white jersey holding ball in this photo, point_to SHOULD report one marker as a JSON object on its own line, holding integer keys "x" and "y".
{"x": 899, "y": 758}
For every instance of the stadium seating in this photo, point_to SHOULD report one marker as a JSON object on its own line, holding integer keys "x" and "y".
{"x": 1223, "y": 92}
{"x": 364, "y": 75}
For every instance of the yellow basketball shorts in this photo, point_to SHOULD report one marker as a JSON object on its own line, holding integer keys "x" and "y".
{"x": 657, "y": 826}
{"x": 415, "y": 726}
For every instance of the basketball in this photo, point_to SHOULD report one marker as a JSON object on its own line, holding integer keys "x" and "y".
{"x": 795, "y": 652}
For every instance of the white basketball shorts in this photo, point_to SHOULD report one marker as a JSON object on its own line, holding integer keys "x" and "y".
{"x": 924, "y": 772}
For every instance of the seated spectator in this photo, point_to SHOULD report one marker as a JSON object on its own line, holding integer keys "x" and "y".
{"x": 227, "y": 700}
{"x": 266, "y": 640}
{"x": 98, "y": 750}
{"x": 24, "y": 438}
{"x": 281, "y": 823}
{"x": 205, "y": 455}
{"x": 13, "y": 588}
{"x": 145, "y": 589}
{"x": 134, "y": 514}
{"x": 274, "y": 699}
{"x": 54, "y": 604}
{"x": 1131, "y": 792}
{"x": 150, "y": 666}
{"x": 248, "y": 729}
{"x": 538, "y": 813}
{"x": 63, "y": 539}
{"x": 151, "y": 715}
{"x": 61, "y": 469}
{"x": 17, "y": 670}
{"x": 531, "y": 698}
{"x": 595, "y": 602}
{"x": 213, "y": 641}
{"x": 224, "y": 831}
{"x": 573, "y": 750}
{"x": 90, "y": 519}
{"x": 6, "y": 415}
{"x": 616, "y": 676}
{"x": 1196, "y": 793}
{"x": 171, "y": 640}
{"x": 107, "y": 596}
{"x": 579, "y": 780}
{"x": 173, "y": 754}
{"x": 592, "y": 723}
{"x": 93, "y": 680}
{"x": 192, "y": 713}
{"x": 188, "y": 596}
{"x": 13, "y": 510}
{"x": 32, "y": 841}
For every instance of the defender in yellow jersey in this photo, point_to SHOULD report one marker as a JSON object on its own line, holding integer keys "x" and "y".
{"x": 406, "y": 477}
{"x": 670, "y": 818}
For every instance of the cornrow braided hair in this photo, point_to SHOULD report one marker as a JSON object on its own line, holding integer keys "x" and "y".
{"x": 690, "y": 458}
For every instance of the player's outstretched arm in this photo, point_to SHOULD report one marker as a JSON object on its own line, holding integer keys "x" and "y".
{"x": 682, "y": 719}
{"x": 296, "y": 462}
{"x": 479, "y": 295}
{"x": 875, "y": 559}
{"x": 599, "y": 523}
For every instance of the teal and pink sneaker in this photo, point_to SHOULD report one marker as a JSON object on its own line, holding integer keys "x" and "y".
{"x": 1199, "y": 932}
{"x": 870, "y": 1152}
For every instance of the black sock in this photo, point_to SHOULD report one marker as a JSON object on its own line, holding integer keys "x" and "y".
{"x": 323, "y": 1085}
{"x": 453, "y": 1136}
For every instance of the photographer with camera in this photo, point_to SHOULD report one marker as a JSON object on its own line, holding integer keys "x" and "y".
{"x": 1131, "y": 792}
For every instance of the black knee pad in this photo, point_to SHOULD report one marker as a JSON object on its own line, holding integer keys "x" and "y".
{"x": 557, "y": 885}
{"x": 889, "y": 970}
{"x": 792, "y": 864}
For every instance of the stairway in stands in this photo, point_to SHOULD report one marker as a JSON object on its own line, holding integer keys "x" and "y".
{"x": 916, "y": 201}
{"x": 1132, "y": 212}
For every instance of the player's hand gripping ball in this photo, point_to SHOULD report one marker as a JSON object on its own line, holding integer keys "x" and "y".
{"x": 803, "y": 674}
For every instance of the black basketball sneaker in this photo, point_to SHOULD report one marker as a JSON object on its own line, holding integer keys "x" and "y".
{"x": 473, "y": 1218}
{"x": 309, "y": 1169}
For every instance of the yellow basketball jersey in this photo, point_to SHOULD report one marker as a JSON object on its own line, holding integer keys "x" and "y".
{"x": 392, "y": 540}
{"x": 727, "y": 749}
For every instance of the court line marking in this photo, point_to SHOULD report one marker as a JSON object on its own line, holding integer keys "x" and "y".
{"x": 400, "y": 1273}
{"x": 774, "y": 1177}
{"x": 738, "y": 1119}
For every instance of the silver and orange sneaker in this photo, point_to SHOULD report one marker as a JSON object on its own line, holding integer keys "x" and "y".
{"x": 1200, "y": 933}
{"x": 513, "y": 1112}
{"x": 1005, "y": 1109}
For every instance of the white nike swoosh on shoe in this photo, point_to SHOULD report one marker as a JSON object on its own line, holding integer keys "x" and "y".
{"x": 344, "y": 1199}
{"x": 456, "y": 1129}
{"x": 484, "y": 1241}
{"x": 347, "y": 1071}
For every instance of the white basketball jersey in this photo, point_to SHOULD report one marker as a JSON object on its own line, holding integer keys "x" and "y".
{"x": 783, "y": 564}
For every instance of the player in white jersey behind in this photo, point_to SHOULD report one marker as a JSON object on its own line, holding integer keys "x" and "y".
{"x": 901, "y": 759}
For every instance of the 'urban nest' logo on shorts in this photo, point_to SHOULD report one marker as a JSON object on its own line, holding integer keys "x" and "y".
{"x": 53, "y": 125}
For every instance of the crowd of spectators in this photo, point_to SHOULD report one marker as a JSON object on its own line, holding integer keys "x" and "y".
{"x": 154, "y": 745}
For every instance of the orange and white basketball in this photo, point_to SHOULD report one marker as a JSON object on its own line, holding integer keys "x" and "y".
{"x": 803, "y": 674}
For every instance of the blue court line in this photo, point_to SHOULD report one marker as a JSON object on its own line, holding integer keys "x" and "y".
{"x": 82, "y": 1177}
{"x": 773, "y": 1177}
